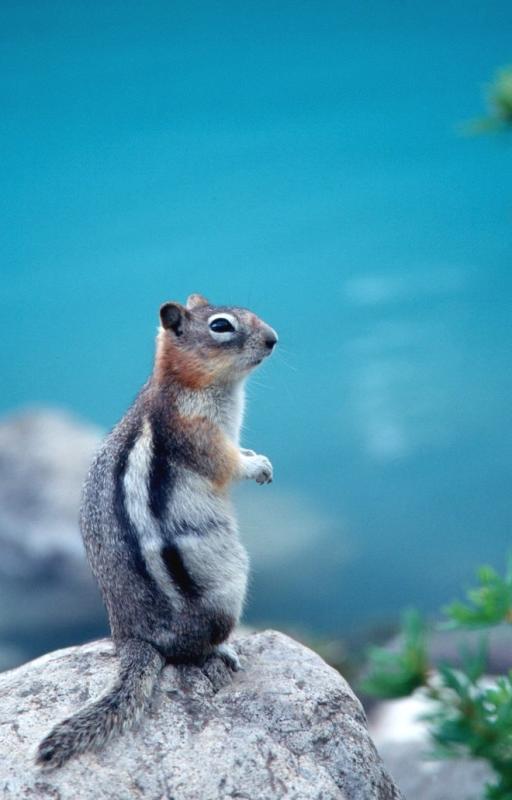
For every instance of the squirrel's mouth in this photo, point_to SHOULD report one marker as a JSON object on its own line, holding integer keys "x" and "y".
{"x": 256, "y": 361}
{"x": 253, "y": 363}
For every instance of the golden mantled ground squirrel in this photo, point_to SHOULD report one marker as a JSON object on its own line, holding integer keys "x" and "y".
{"x": 156, "y": 520}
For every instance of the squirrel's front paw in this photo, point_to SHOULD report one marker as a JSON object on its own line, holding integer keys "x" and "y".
{"x": 258, "y": 468}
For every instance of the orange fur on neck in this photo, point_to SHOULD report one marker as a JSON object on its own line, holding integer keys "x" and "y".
{"x": 176, "y": 365}
{"x": 172, "y": 364}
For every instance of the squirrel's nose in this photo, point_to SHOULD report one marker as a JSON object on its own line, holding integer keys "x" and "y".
{"x": 270, "y": 338}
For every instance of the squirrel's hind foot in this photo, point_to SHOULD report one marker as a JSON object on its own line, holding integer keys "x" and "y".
{"x": 229, "y": 656}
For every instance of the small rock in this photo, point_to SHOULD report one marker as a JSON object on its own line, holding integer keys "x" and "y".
{"x": 49, "y": 598}
{"x": 403, "y": 741}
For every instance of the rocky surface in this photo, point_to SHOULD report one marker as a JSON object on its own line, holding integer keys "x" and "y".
{"x": 403, "y": 742}
{"x": 287, "y": 726}
{"x": 48, "y": 595}
{"x": 44, "y": 457}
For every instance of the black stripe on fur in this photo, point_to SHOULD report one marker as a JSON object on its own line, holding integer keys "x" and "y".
{"x": 178, "y": 572}
{"x": 120, "y": 511}
{"x": 161, "y": 474}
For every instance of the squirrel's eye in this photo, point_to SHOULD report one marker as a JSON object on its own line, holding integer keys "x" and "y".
{"x": 221, "y": 325}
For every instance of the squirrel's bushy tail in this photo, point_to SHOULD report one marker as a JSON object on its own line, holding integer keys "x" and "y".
{"x": 116, "y": 711}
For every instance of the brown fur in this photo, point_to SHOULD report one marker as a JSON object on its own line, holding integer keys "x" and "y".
{"x": 196, "y": 301}
{"x": 228, "y": 463}
{"x": 175, "y": 364}
{"x": 218, "y": 457}
{"x": 210, "y": 449}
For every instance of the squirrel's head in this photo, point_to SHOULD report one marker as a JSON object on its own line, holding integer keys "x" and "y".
{"x": 200, "y": 344}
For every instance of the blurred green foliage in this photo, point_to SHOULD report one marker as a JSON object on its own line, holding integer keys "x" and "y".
{"x": 489, "y": 603}
{"x": 397, "y": 674}
{"x": 470, "y": 715}
{"x": 499, "y": 100}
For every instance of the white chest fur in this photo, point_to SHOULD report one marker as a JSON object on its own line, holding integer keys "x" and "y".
{"x": 224, "y": 405}
{"x": 234, "y": 408}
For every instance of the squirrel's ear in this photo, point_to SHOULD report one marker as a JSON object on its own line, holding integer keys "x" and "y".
{"x": 196, "y": 300}
{"x": 172, "y": 316}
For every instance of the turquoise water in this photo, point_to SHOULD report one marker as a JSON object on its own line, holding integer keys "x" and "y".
{"x": 304, "y": 159}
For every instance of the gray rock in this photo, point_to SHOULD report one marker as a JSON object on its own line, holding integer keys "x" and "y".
{"x": 44, "y": 457}
{"x": 49, "y": 598}
{"x": 422, "y": 778}
{"x": 288, "y": 726}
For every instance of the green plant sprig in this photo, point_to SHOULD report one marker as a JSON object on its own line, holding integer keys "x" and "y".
{"x": 397, "y": 674}
{"x": 469, "y": 716}
{"x": 490, "y": 603}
